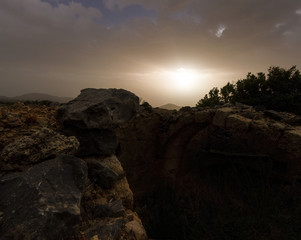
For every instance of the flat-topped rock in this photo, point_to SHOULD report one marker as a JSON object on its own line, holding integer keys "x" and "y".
{"x": 99, "y": 108}
{"x": 92, "y": 117}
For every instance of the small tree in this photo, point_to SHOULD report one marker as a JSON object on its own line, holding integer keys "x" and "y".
{"x": 279, "y": 90}
{"x": 212, "y": 100}
{"x": 227, "y": 92}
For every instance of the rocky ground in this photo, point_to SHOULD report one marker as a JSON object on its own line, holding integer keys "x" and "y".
{"x": 229, "y": 172}
{"x": 48, "y": 193}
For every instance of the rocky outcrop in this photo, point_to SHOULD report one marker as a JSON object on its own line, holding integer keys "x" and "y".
{"x": 86, "y": 198}
{"x": 168, "y": 138}
{"x": 210, "y": 159}
{"x": 93, "y": 115}
{"x": 44, "y": 201}
{"x": 107, "y": 203}
{"x": 195, "y": 173}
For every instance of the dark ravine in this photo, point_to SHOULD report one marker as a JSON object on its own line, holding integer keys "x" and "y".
{"x": 229, "y": 172}
{"x": 224, "y": 173}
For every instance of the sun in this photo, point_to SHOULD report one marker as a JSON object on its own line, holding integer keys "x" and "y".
{"x": 184, "y": 78}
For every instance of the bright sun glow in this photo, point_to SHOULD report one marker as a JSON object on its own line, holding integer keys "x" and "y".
{"x": 184, "y": 79}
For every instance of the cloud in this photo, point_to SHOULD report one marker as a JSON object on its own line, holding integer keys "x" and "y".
{"x": 220, "y": 30}
{"x": 43, "y": 46}
{"x": 34, "y": 29}
{"x": 160, "y": 5}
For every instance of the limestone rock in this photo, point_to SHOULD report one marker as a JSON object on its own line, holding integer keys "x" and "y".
{"x": 92, "y": 116}
{"x": 291, "y": 142}
{"x": 221, "y": 115}
{"x": 105, "y": 171}
{"x": 112, "y": 209}
{"x": 122, "y": 190}
{"x": 99, "y": 108}
{"x": 204, "y": 116}
{"x": 109, "y": 229}
{"x": 19, "y": 120}
{"x": 238, "y": 122}
{"x": 203, "y": 149}
{"x": 13, "y": 120}
{"x": 136, "y": 229}
{"x": 101, "y": 174}
{"x": 109, "y": 176}
{"x": 113, "y": 163}
{"x": 44, "y": 201}
{"x": 275, "y": 115}
{"x": 41, "y": 144}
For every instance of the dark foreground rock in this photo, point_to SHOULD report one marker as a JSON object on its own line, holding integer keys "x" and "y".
{"x": 92, "y": 116}
{"x": 44, "y": 201}
{"x": 107, "y": 204}
{"x": 48, "y": 199}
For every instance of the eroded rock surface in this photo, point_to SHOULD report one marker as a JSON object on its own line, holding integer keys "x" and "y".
{"x": 166, "y": 140}
{"x": 214, "y": 159}
{"x": 42, "y": 144}
{"x": 195, "y": 173}
{"x": 44, "y": 201}
{"x": 93, "y": 115}
{"x": 107, "y": 202}
{"x": 19, "y": 120}
{"x": 54, "y": 207}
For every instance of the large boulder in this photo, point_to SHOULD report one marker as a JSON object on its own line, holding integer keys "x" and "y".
{"x": 44, "y": 201}
{"x": 94, "y": 114}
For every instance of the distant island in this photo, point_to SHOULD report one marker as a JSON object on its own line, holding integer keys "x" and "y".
{"x": 170, "y": 106}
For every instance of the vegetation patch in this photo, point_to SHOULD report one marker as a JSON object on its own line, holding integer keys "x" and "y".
{"x": 279, "y": 90}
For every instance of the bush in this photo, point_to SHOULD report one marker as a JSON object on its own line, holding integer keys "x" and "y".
{"x": 279, "y": 90}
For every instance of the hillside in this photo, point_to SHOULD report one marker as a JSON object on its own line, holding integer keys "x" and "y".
{"x": 35, "y": 97}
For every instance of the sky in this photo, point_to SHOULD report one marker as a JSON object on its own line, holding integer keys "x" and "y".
{"x": 165, "y": 51}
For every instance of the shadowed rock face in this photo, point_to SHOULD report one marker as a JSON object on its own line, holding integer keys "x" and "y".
{"x": 215, "y": 159}
{"x": 44, "y": 201}
{"x": 166, "y": 142}
{"x": 93, "y": 115}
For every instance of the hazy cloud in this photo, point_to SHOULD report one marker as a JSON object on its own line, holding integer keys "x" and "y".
{"x": 170, "y": 5}
{"x": 220, "y": 30}
{"x": 45, "y": 45}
